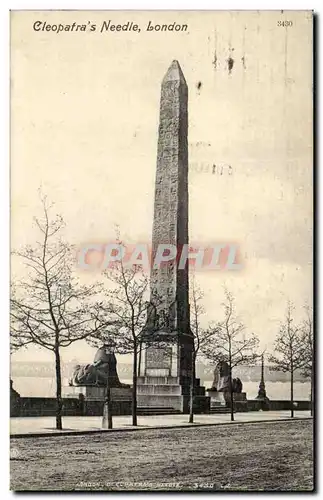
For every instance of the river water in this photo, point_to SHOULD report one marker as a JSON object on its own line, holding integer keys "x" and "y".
{"x": 45, "y": 387}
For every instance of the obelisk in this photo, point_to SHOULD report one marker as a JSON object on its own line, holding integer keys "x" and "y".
{"x": 166, "y": 360}
{"x": 169, "y": 285}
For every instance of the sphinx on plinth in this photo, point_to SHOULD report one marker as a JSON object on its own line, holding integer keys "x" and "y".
{"x": 103, "y": 368}
{"x": 220, "y": 392}
{"x": 92, "y": 380}
{"x": 221, "y": 380}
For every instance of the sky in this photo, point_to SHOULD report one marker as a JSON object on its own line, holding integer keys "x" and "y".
{"x": 84, "y": 125}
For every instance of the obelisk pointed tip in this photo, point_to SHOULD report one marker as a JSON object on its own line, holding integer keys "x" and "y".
{"x": 174, "y": 73}
{"x": 176, "y": 65}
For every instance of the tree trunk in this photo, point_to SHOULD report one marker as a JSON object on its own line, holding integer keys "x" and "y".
{"x": 139, "y": 362}
{"x": 191, "y": 418}
{"x": 292, "y": 393}
{"x": 59, "y": 402}
{"x": 107, "y": 408}
{"x": 231, "y": 396}
{"x": 134, "y": 387}
{"x": 312, "y": 391}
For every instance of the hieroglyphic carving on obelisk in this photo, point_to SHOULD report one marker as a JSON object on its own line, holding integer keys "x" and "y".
{"x": 170, "y": 225}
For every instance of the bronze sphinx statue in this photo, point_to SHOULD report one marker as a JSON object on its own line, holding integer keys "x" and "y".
{"x": 221, "y": 380}
{"x": 103, "y": 367}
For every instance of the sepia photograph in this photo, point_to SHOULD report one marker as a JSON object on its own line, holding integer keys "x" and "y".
{"x": 161, "y": 251}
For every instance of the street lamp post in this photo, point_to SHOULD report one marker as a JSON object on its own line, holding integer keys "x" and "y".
{"x": 262, "y": 395}
{"x": 107, "y": 407}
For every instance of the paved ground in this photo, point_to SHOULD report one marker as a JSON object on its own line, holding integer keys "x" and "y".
{"x": 30, "y": 425}
{"x": 274, "y": 456}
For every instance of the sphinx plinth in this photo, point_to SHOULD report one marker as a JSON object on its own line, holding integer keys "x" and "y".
{"x": 91, "y": 380}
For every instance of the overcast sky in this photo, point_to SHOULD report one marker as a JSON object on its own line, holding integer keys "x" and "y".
{"x": 84, "y": 127}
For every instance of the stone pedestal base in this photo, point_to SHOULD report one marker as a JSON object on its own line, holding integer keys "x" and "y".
{"x": 264, "y": 402}
{"x": 90, "y": 392}
{"x": 239, "y": 396}
{"x": 167, "y": 392}
{"x": 216, "y": 398}
{"x": 165, "y": 370}
{"x": 163, "y": 392}
{"x": 91, "y": 399}
{"x": 240, "y": 402}
{"x": 14, "y": 401}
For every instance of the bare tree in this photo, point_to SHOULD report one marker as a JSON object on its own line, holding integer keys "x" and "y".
{"x": 201, "y": 336}
{"x": 127, "y": 308}
{"x": 308, "y": 354}
{"x": 289, "y": 349}
{"x": 230, "y": 343}
{"x": 49, "y": 307}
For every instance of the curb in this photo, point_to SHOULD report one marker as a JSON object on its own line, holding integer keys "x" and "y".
{"x": 135, "y": 429}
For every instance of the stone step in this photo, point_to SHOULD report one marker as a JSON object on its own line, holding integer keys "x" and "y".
{"x": 220, "y": 409}
{"x": 150, "y": 384}
{"x": 157, "y": 410}
{"x": 159, "y": 393}
{"x": 158, "y": 380}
